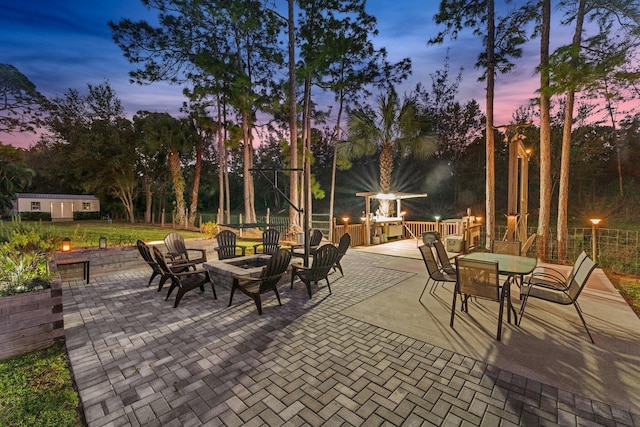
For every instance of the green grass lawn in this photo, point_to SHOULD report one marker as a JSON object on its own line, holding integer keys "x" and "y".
{"x": 86, "y": 234}
{"x": 36, "y": 390}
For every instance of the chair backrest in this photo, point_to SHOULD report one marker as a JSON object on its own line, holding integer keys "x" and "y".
{"x": 316, "y": 237}
{"x": 478, "y": 278}
{"x": 323, "y": 259}
{"x": 580, "y": 278}
{"x": 343, "y": 244}
{"x": 574, "y": 270}
{"x": 226, "y": 244}
{"x": 428, "y": 237}
{"x": 506, "y": 247}
{"x": 175, "y": 244}
{"x": 162, "y": 262}
{"x": 528, "y": 243}
{"x": 145, "y": 252}
{"x": 429, "y": 260}
{"x": 442, "y": 255}
{"x": 275, "y": 268}
{"x": 270, "y": 241}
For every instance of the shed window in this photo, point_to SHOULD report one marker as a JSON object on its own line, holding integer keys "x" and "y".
{"x": 86, "y": 206}
{"x": 35, "y": 206}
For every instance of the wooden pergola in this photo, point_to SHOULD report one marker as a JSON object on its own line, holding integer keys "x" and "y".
{"x": 398, "y": 197}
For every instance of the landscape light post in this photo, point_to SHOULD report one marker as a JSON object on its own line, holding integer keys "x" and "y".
{"x": 594, "y": 238}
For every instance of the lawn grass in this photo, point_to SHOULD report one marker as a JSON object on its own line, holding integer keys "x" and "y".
{"x": 86, "y": 234}
{"x": 629, "y": 287}
{"x": 36, "y": 390}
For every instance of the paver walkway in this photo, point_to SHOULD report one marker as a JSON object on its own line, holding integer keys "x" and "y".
{"x": 138, "y": 361}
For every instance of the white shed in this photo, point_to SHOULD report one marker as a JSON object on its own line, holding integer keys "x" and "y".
{"x": 60, "y": 206}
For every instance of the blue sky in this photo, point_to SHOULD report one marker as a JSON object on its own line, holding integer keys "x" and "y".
{"x": 63, "y": 44}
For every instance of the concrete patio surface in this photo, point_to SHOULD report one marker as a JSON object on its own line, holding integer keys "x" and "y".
{"x": 369, "y": 354}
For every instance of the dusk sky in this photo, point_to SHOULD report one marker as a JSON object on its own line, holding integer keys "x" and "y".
{"x": 63, "y": 44}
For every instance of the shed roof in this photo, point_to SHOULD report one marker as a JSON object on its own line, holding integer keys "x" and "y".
{"x": 56, "y": 196}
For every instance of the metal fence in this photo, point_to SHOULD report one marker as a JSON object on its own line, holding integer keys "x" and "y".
{"x": 617, "y": 250}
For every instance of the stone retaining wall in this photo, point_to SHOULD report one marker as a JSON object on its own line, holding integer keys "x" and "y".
{"x": 105, "y": 261}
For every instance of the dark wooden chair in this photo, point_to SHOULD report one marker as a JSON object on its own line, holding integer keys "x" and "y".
{"x": 145, "y": 252}
{"x": 268, "y": 280}
{"x": 324, "y": 258}
{"x": 270, "y": 242}
{"x": 227, "y": 245}
{"x": 184, "y": 281}
{"x": 343, "y": 245}
{"x": 179, "y": 253}
{"x": 315, "y": 238}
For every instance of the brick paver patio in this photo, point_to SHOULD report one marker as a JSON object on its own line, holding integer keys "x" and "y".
{"x": 138, "y": 361}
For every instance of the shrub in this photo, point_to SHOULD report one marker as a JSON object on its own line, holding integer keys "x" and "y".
{"x": 35, "y": 216}
{"x": 209, "y": 229}
{"x": 24, "y": 254}
{"x": 86, "y": 215}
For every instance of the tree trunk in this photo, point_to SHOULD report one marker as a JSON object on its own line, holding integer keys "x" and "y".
{"x": 490, "y": 143}
{"x": 175, "y": 169}
{"x": 148, "y": 199}
{"x": 221, "y": 164}
{"x": 545, "y": 136}
{"x": 293, "y": 121}
{"x": 193, "y": 211}
{"x": 386, "y": 169}
{"x": 338, "y": 136}
{"x": 249, "y": 193}
{"x": 563, "y": 195}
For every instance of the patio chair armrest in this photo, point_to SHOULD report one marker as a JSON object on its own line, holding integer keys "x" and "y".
{"x": 246, "y": 279}
{"x": 181, "y": 264}
{"x": 191, "y": 273}
{"x": 298, "y": 266}
{"x": 549, "y": 272}
{"x": 203, "y": 252}
{"x": 546, "y": 280}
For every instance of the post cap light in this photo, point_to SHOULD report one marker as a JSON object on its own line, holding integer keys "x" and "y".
{"x": 437, "y": 217}
{"x": 345, "y": 219}
{"x": 595, "y": 221}
{"x": 102, "y": 243}
{"x": 66, "y": 244}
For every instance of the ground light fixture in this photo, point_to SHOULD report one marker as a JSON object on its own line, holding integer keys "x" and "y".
{"x": 102, "y": 243}
{"x": 594, "y": 237}
{"x": 66, "y": 244}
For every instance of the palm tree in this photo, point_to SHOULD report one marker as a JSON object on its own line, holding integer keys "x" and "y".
{"x": 394, "y": 129}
